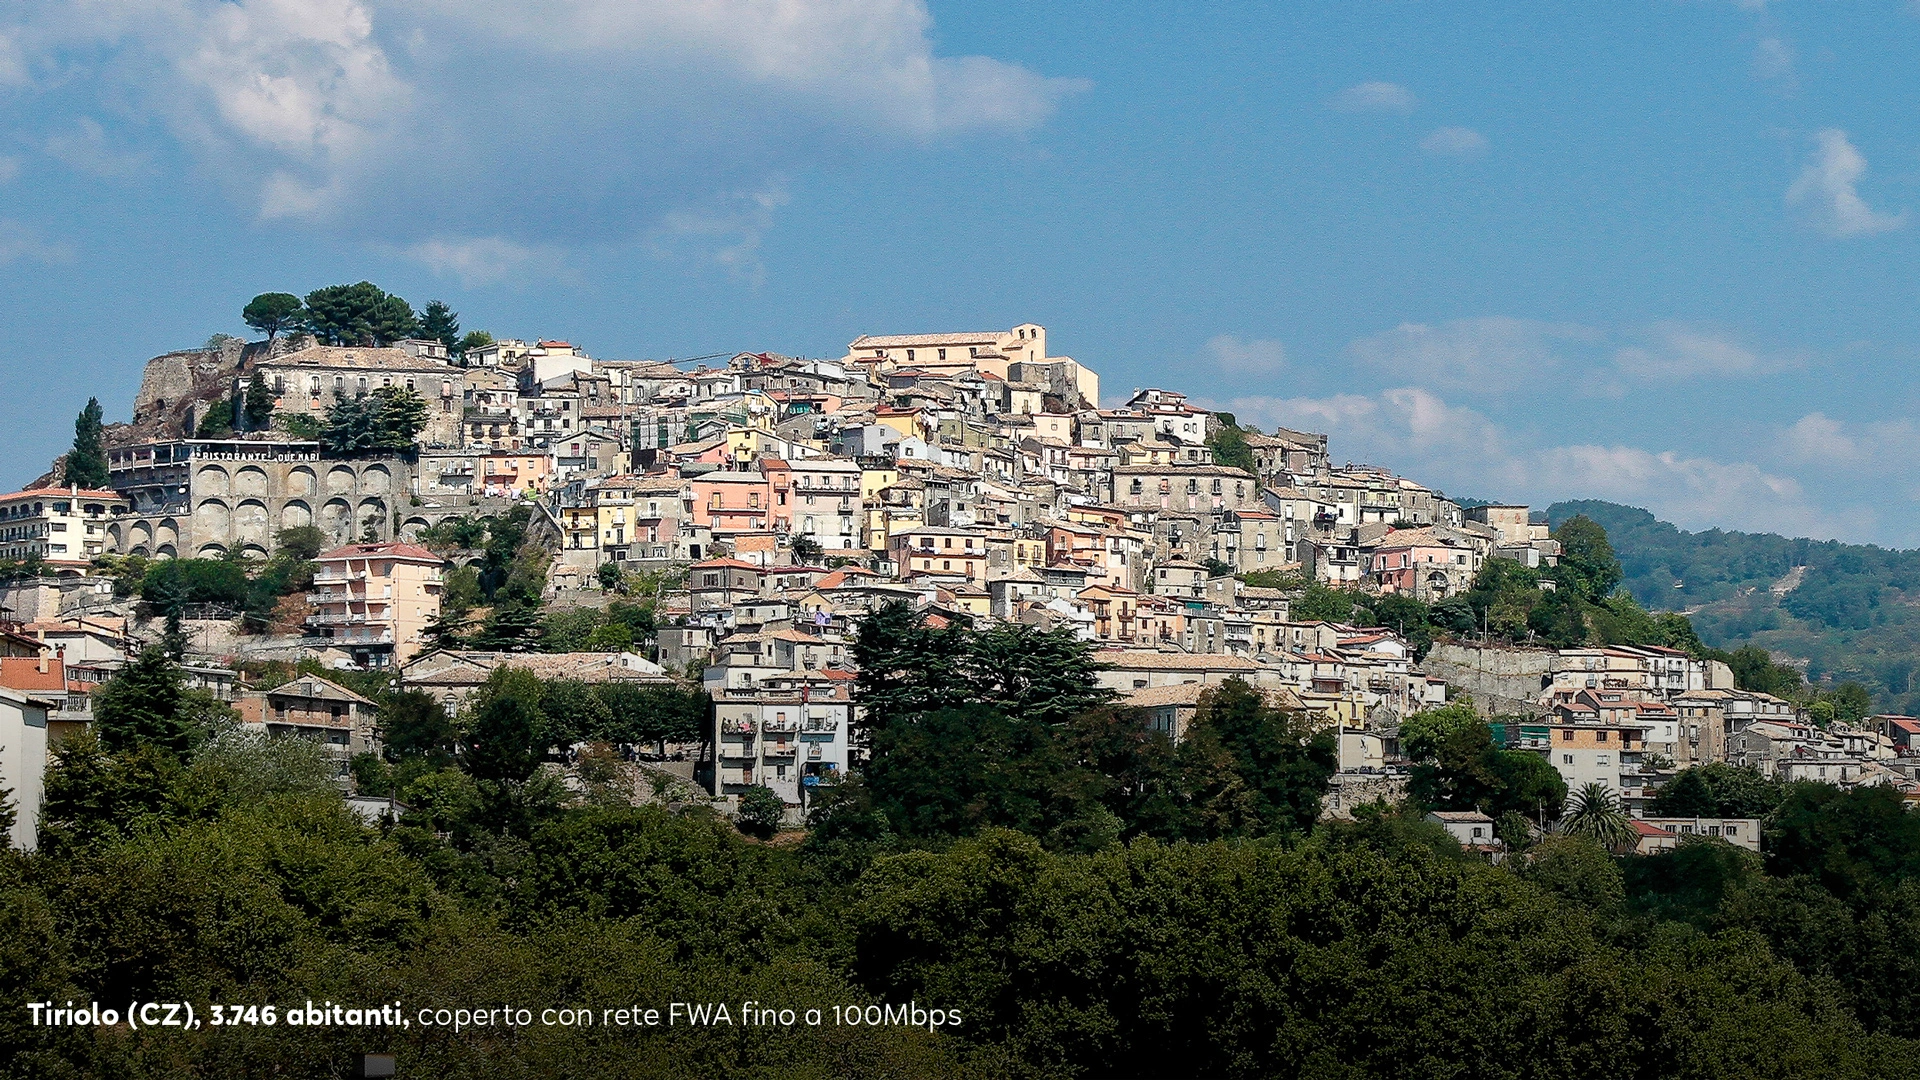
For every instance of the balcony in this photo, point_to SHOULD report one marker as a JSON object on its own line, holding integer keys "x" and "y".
{"x": 777, "y": 750}
{"x": 784, "y": 727}
{"x": 736, "y": 751}
{"x": 351, "y": 618}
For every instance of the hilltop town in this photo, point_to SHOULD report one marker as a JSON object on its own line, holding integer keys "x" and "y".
{"x": 323, "y": 515}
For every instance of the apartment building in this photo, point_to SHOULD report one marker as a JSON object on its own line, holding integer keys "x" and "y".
{"x": 57, "y": 525}
{"x": 375, "y": 600}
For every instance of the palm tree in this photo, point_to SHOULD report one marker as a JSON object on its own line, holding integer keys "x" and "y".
{"x": 1594, "y": 813}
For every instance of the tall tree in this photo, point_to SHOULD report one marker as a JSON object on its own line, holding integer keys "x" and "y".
{"x": 359, "y": 314}
{"x": 1283, "y": 764}
{"x": 87, "y": 462}
{"x": 258, "y": 408}
{"x": 1587, "y": 562}
{"x": 272, "y": 313}
{"x": 442, "y": 324}
{"x": 142, "y": 705}
{"x": 1595, "y": 814}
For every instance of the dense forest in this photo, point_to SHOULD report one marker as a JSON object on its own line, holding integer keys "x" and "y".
{"x": 1089, "y": 899}
{"x": 1844, "y": 611}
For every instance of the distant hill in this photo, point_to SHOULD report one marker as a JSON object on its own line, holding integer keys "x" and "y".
{"x": 1840, "y": 611}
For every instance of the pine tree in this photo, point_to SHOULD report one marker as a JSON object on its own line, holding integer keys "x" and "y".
{"x": 141, "y": 705}
{"x": 259, "y": 403}
{"x": 271, "y": 313}
{"x": 87, "y": 461}
{"x": 442, "y": 324}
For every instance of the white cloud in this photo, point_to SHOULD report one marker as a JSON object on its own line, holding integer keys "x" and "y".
{"x": 1773, "y": 61}
{"x": 1259, "y": 356}
{"x": 865, "y": 57}
{"x": 727, "y": 233}
{"x": 86, "y": 149}
{"x": 1457, "y": 141}
{"x": 575, "y": 117}
{"x": 1375, "y": 97}
{"x": 1826, "y": 190}
{"x": 1489, "y": 354}
{"x": 23, "y": 243}
{"x": 1879, "y": 447}
{"x": 487, "y": 260}
{"x": 1673, "y": 350}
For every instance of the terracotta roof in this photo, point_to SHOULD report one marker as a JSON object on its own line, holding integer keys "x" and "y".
{"x": 392, "y": 549}
{"x": 23, "y": 673}
{"x": 333, "y": 356}
{"x": 54, "y": 492}
{"x": 726, "y": 564}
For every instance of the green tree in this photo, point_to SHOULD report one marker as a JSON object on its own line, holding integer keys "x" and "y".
{"x": 760, "y": 812}
{"x": 1587, "y": 565}
{"x": 1594, "y": 814}
{"x": 273, "y": 313}
{"x": 505, "y": 741}
{"x": 217, "y": 422}
{"x": 610, "y": 576}
{"x": 86, "y": 464}
{"x": 1718, "y": 789}
{"x": 414, "y": 724}
{"x": 442, "y": 324}
{"x": 142, "y": 706}
{"x": 258, "y": 406}
{"x": 1282, "y": 762}
{"x": 1322, "y": 603}
{"x": 475, "y": 339}
{"x": 1229, "y": 444}
{"x": 359, "y": 314}
{"x": 1559, "y": 619}
{"x": 389, "y": 418}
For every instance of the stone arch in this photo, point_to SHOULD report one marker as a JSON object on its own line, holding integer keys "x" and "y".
{"x": 213, "y": 480}
{"x": 115, "y": 537}
{"x": 211, "y": 551}
{"x": 336, "y": 520}
{"x": 340, "y": 480}
{"x": 165, "y": 551}
{"x": 167, "y": 533}
{"x": 376, "y": 480}
{"x": 253, "y": 551}
{"x": 300, "y": 481}
{"x": 250, "y": 482}
{"x": 212, "y": 520}
{"x": 295, "y": 515}
{"x": 140, "y": 550}
{"x": 373, "y": 514}
{"x": 251, "y": 522}
{"x": 411, "y": 529}
{"x": 141, "y": 535}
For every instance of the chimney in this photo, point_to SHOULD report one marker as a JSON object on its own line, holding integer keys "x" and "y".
{"x": 43, "y": 661}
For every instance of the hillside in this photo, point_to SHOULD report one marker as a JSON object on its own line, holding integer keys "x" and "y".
{"x": 1839, "y": 611}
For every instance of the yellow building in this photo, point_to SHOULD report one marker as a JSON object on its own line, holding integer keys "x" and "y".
{"x": 375, "y": 600}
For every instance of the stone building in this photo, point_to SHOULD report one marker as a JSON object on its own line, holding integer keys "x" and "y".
{"x": 306, "y": 382}
{"x": 204, "y": 497}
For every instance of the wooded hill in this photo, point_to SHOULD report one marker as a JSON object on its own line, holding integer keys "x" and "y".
{"x": 1844, "y": 611}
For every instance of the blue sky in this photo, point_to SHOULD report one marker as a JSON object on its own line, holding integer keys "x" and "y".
{"x": 1660, "y": 252}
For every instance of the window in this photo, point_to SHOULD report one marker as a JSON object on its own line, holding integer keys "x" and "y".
{"x": 943, "y": 354}
{"x": 1566, "y": 759}
{"x": 1599, "y": 736}
{"x": 909, "y": 356}
{"x": 1566, "y": 735}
